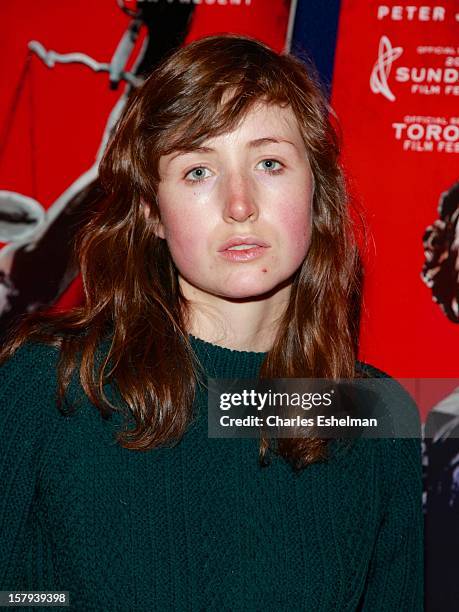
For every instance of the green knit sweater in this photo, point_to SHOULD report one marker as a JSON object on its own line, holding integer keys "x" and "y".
{"x": 200, "y": 526}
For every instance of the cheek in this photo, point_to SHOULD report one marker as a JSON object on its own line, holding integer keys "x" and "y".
{"x": 186, "y": 219}
{"x": 296, "y": 226}
{"x": 186, "y": 235}
{"x": 290, "y": 200}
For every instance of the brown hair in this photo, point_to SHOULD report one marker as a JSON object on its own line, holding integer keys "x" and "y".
{"x": 130, "y": 281}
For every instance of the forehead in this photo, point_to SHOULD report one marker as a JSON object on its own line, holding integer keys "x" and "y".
{"x": 261, "y": 118}
{"x": 263, "y": 124}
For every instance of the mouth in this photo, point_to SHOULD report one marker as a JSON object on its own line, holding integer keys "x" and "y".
{"x": 243, "y": 248}
{"x": 241, "y": 243}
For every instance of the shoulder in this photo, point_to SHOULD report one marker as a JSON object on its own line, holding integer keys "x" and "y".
{"x": 400, "y": 450}
{"x": 391, "y": 401}
{"x": 33, "y": 363}
{"x": 29, "y": 415}
{"x": 370, "y": 370}
{"x": 29, "y": 375}
{"x": 30, "y": 387}
{"x": 396, "y": 446}
{"x": 31, "y": 407}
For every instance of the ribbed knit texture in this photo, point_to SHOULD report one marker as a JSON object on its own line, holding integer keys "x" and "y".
{"x": 200, "y": 526}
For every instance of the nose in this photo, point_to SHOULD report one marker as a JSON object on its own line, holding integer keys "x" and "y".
{"x": 239, "y": 198}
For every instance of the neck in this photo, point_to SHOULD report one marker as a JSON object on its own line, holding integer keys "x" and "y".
{"x": 238, "y": 324}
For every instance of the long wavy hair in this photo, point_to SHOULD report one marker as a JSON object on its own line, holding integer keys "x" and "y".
{"x": 132, "y": 295}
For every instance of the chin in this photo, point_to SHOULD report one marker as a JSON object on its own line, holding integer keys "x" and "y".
{"x": 241, "y": 286}
{"x": 248, "y": 290}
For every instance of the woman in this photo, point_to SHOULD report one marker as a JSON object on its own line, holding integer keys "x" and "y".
{"x": 223, "y": 250}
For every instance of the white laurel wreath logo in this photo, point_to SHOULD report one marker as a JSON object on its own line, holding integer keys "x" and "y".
{"x": 381, "y": 70}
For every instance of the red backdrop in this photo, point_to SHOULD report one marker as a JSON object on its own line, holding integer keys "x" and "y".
{"x": 403, "y": 330}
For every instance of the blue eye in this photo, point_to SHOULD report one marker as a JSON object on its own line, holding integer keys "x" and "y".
{"x": 197, "y": 174}
{"x": 272, "y": 166}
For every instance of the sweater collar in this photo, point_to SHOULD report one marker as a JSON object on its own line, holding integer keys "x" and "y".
{"x": 221, "y": 362}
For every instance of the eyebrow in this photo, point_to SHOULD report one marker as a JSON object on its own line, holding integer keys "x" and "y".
{"x": 252, "y": 144}
{"x": 259, "y": 142}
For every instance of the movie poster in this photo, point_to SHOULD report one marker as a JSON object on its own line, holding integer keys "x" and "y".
{"x": 396, "y": 93}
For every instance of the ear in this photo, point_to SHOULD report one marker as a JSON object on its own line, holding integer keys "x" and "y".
{"x": 158, "y": 226}
{"x": 159, "y": 230}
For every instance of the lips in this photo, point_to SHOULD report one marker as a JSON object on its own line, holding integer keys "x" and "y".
{"x": 239, "y": 240}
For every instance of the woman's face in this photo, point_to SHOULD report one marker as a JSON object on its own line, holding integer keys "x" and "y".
{"x": 253, "y": 184}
